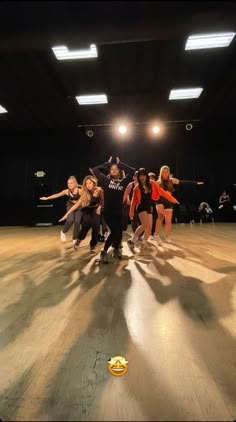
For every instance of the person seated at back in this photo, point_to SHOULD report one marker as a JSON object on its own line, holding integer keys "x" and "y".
{"x": 205, "y": 211}
{"x": 224, "y": 200}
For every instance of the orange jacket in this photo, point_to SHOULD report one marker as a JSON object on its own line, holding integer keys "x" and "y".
{"x": 157, "y": 191}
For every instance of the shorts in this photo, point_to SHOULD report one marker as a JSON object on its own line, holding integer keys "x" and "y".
{"x": 166, "y": 204}
{"x": 142, "y": 208}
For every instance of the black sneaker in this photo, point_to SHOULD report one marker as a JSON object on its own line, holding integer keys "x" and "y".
{"x": 117, "y": 253}
{"x": 104, "y": 257}
{"x": 101, "y": 238}
{"x": 131, "y": 244}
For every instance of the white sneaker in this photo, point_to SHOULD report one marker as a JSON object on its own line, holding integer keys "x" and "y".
{"x": 63, "y": 236}
{"x": 73, "y": 242}
{"x": 151, "y": 237}
{"x": 168, "y": 239}
{"x": 157, "y": 239}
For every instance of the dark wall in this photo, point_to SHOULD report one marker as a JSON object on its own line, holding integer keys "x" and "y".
{"x": 206, "y": 153}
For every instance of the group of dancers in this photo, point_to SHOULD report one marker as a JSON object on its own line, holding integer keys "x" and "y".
{"x": 103, "y": 195}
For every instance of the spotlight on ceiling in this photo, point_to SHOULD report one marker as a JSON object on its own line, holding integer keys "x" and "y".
{"x": 122, "y": 129}
{"x": 89, "y": 133}
{"x": 188, "y": 126}
{"x": 156, "y": 129}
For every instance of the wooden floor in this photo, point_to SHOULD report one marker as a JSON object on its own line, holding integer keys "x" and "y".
{"x": 171, "y": 313}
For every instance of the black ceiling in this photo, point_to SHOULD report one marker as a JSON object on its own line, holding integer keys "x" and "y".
{"x": 141, "y": 57}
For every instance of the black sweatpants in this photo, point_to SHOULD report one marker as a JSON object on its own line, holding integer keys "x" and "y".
{"x": 74, "y": 218}
{"x": 136, "y": 221}
{"x": 154, "y": 219}
{"x": 90, "y": 220}
{"x": 115, "y": 224}
{"x": 103, "y": 223}
{"x": 125, "y": 217}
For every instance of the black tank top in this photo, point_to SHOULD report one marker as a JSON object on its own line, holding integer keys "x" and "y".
{"x": 146, "y": 198}
{"x": 73, "y": 196}
{"x": 167, "y": 185}
{"x": 93, "y": 204}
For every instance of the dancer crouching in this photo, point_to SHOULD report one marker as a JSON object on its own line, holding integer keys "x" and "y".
{"x": 90, "y": 201}
{"x": 73, "y": 192}
{"x": 144, "y": 193}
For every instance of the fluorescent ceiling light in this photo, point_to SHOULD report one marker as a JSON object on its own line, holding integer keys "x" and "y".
{"x": 92, "y": 99}
{"x": 184, "y": 94}
{"x": 63, "y": 53}
{"x": 2, "y": 109}
{"x": 195, "y": 42}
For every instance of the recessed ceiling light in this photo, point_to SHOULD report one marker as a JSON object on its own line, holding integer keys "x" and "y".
{"x": 2, "y": 109}
{"x": 92, "y": 99}
{"x": 156, "y": 129}
{"x": 63, "y": 53}
{"x": 122, "y": 129}
{"x": 184, "y": 94}
{"x": 195, "y": 42}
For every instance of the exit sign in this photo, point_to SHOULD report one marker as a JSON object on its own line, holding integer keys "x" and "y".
{"x": 40, "y": 174}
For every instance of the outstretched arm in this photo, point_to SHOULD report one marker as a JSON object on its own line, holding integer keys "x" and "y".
{"x": 166, "y": 195}
{"x": 72, "y": 209}
{"x": 185, "y": 182}
{"x": 55, "y": 195}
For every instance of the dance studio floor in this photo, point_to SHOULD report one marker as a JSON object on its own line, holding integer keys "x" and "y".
{"x": 171, "y": 313}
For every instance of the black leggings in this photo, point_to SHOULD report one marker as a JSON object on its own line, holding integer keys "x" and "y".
{"x": 115, "y": 224}
{"x": 73, "y": 218}
{"x": 91, "y": 220}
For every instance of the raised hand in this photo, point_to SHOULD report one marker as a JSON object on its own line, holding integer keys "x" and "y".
{"x": 200, "y": 183}
{"x": 117, "y": 160}
{"x": 110, "y": 160}
{"x": 43, "y": 198}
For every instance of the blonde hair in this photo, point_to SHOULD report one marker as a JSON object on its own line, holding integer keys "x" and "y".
{"x": 86, "y": 194}
{"x": 73, "y": 178}
{"x": 161, "y": 171}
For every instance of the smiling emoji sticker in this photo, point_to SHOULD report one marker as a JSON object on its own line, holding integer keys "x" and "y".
{"x": 117, "y": 366}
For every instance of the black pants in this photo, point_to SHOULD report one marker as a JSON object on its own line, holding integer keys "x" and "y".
{"x": 90, "y": 220}
{"x": 115, "y": 224}
{"x": 136, "y": 221}
{"x": 154, "y": 219}
{"x": 103, "y": 223}
{"x": 73, "y": 218}
{"x": 125, "y": 217}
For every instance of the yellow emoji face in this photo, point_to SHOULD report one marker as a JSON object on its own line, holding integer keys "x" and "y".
{"x": 117, "y": 366}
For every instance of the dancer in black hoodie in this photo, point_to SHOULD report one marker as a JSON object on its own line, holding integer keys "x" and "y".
{"x": 113, "y": 187}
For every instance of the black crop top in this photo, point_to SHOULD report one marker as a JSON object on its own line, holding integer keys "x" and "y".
{"x": 73, "y": 197}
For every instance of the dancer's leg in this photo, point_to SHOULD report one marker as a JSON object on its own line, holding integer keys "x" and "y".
{"x": 144, "y": 227}
{"x": 160, "y": 212}
{"x": 168, "y": 221}
{"x": 95, "y": 224}
{"x": 77, "y": 223}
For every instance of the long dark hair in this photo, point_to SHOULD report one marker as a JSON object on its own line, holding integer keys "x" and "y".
{"x": 143, "y": 171}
